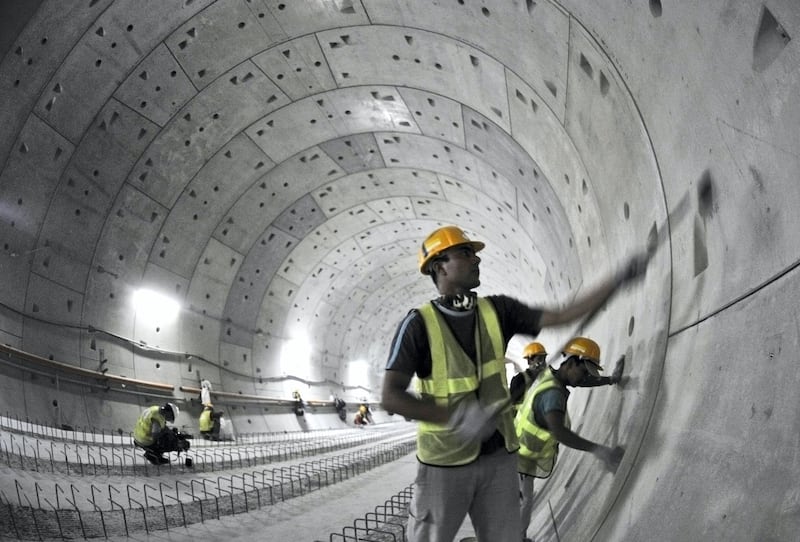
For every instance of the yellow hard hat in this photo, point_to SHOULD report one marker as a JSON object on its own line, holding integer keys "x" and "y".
{"x": 585, "y": 349}
{"x": 534, "y": 349}
{"x": 439, "y": 241}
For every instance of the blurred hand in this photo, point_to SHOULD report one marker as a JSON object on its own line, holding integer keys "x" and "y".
{"x": 619, "y": 368}
{"x": 471, "y": 422}
{"x": 611, "y": 457}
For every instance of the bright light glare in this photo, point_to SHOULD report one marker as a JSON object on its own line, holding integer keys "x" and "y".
{"x": 358, "y": 373}
{"x": 296, "y": 354}
{"x": 154, "y": 307}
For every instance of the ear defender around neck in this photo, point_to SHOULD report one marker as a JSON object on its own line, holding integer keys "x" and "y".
{"x": 460, "y": 302}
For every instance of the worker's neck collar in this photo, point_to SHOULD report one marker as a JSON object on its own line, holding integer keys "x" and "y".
{"x": 459, "y": 302}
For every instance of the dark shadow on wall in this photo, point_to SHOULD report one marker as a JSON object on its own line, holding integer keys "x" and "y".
{"x": 14, "y": 15}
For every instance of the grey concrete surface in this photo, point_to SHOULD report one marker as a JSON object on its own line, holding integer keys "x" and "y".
{"x": 274, "y": 166}
{"x": 305, "y": 518}
{"x": 111, "y": 478}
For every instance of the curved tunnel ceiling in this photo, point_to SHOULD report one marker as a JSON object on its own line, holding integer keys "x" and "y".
{"x": 275, "y": 165}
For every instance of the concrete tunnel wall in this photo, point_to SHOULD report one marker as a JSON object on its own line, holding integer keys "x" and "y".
{"x": 278, "y": 163}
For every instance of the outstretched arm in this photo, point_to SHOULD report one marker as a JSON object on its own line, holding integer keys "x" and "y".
{"x": 591, "y": 381}
{"x": 564, "y": 435}
{"x": 590, "y": 303}
{"x": 397, "y": 399}
{"x": 583, "y": 305}
{"x": 611, "y": 457}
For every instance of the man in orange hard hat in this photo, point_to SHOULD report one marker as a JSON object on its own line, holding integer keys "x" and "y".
{"x": 536, "y": 356}
{"x": 542, "y": 421}
{"x": 455, "y": 346}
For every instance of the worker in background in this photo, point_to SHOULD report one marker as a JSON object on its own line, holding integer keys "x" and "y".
{"x": 365, "y": 412}
{"x": 359, "y": 419}
{"x": 542, "y": 421}
{"x": 299, "y": 404}
{"x": 341, "y": 408}
{"x": 153, "y": 434}
{"x": 536, "y": 356}
{"x": 210, "y": 422}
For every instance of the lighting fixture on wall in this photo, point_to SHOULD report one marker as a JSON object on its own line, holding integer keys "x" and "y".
{"x": 154, "y": 307}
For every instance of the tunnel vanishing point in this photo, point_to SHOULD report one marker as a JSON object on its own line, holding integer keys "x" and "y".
{"x": 273, "y": 165}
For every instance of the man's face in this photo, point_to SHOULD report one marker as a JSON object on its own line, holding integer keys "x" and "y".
{"x": 461, "y": 268}
{"x": 536, "y": 362}
{"x": 576, "y": 371}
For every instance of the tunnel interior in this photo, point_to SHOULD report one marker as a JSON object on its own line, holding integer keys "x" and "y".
{"x": 272, "y": 167}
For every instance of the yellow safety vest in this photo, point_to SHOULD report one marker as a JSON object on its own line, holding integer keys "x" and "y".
{"x": 142, "y": 432}
{"x": 455, "y": 378}
{"x": 538, "y": 448}
{"x": 206, "y": 423}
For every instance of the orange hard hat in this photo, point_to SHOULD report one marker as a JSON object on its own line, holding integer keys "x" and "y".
{"x": 439, "y": 241}
{"x": 586, "y": 349}
{"x": 534, "y": 349}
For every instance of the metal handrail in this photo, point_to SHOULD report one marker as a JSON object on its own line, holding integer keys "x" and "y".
{"x": 14, "y": 353}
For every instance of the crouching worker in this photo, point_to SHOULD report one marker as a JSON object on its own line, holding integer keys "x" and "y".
{"x": 366, "y": 413}
{"x": 210, "y": 423}
{"x": 155, "y": 437}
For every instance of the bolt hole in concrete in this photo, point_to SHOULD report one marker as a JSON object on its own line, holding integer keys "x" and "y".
{"x": 655, "y": 8}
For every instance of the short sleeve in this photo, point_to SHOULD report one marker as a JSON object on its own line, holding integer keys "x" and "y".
{"x": 516, "y": 317}
{"x": 410, "y": 351}
{"x": 552, "y": 400}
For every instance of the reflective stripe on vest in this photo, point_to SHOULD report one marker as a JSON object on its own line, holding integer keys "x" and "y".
{"x": 142, "y": 432}
{"x": 455, "y": 377}
{"x": 538, "y": 448}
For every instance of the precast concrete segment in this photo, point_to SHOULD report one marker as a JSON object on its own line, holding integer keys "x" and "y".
{"x": 723, "y": 423}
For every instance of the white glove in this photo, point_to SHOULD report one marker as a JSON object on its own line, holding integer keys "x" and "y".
{"x": 470, "y": 422}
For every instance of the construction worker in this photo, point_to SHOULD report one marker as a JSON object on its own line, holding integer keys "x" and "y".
{"x": 341, "y": 408}
{"x": 153, "y": 434}
{"x": 359, "y": 419}
{"x": 542, "y": 421}
{"x": 536, "y": 356}
{"x": 366, "y": 413}
{"x": 455, "y": 346}
{"x": 210, "y": 423}
{"x": 299, "y": 404}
